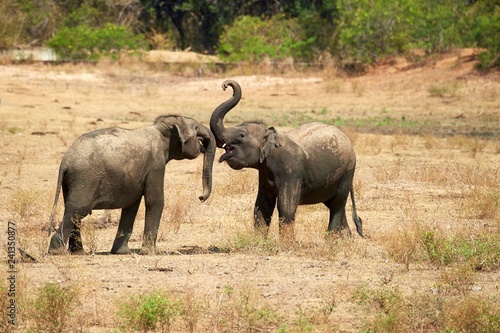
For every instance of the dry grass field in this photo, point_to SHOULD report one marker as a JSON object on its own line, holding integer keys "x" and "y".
{"x": 427, "y": 187}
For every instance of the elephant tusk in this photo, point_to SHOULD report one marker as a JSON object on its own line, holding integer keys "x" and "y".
{"x": 224, "y": 145}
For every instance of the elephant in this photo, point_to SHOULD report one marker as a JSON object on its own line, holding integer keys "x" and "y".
{"x": 114, "y": 168}
{"x": 311, "y": 164}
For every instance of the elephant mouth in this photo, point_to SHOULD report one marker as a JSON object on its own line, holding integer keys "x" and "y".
{"x": 229, "y": 153}
{"x": 230, "y": 158}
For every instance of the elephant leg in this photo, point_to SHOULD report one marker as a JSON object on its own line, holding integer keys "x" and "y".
{"x": 338, "y": 219}
{"x": 75, "y": 240}
{"x": 64, "y": 234}
{"x": 154, "y": 210}
{"x": 125, "y": 227}
{"x": 263, "y": 212}
{"x": 288, "y": 201}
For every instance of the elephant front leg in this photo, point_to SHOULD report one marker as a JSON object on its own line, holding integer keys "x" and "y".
{"x": 263, "y": 212}
{"x": 125, "y": 227}
{"x": 151, "y": 225}
{"x": 288, "y": 200}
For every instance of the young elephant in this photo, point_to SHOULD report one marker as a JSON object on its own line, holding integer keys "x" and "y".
{"x": 114, "y": 168}
{"x": 311, "y": 164}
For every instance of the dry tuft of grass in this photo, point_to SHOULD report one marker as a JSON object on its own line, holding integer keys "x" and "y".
{"x": 368, "y": 145}
{"x": 243, "y": 310}
{"x": 25, "y": 203}
{"x": 471, "y": 314}
{"x": 481, "y": 202}
{"x": 459, "y": 277}
{"x": 238, "y": 183}
{"x": 445, "y": 89}
{"x": 402, "y": 244}
{"x": 388, "y": 310}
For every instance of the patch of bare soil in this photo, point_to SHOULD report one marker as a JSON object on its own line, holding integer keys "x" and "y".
{"x": 420, "y": 133}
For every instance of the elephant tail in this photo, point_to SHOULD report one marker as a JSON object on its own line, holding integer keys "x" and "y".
{"x": 62, "y": 170}
{"x": 357, "y": 220}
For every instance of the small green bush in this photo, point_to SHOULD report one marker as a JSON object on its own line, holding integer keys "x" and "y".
{"x": 52, "y": 308}
{"x": 85, "y": 43}
{"x": 147, "y": 313}
{"x": 244, "y": 243}
{"x": 481, "y": 252}
{"x": 253, "y": 39}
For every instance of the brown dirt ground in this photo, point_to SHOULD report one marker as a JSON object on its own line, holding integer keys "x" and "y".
{"x": 44, "y": 108}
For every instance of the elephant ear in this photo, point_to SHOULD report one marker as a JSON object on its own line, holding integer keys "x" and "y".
{"x": 177, "y": 136}
{"x": 270, "y": 142}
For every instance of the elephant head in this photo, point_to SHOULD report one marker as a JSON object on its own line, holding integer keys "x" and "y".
{"x": 189, "y": 138}
{"x": 246, "y": 145}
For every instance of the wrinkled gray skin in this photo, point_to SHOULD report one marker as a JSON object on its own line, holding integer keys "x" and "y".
{"x": 311, "y": 164}
{"x": 114, "y": 168}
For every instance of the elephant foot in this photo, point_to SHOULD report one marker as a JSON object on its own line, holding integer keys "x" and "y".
{"x": 287, "y": 236}
{"x": 76, "y": 247}
{"x": 120, "y": 245}
{"x": 79, "y": 252}
{"x": 123, "y": 249}
{"x": 332, "y": 235}
{"x": 57, "y": 251}
{"x": 261, "y": 230}
{"x": 148, "y": 250}
{"x": 57, "y": 246}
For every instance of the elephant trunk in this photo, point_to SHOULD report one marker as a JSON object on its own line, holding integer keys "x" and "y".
{"x": 208, "y": 150}
{"x": 217, "y": 119}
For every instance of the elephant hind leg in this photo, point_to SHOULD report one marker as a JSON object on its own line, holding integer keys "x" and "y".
{"x": 68, "y": 232}
{"x": 125, "y": 227}
{"x": 75, "y": 241}
{"x": 338, "y": 220}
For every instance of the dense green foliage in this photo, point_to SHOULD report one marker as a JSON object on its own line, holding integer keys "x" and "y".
{"x": 85, "y": 43}
{"x": 349, "y": 30}
{"x": 254, "y": 39}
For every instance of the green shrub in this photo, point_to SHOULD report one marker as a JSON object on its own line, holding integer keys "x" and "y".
{"x": 481, "y": 252}
{"x": 253, "y": 39}
{"x": 486, "y": 32}
{"x": 52, "y": 308}
{"x": 150, "y": 312}
{"x": 246, "y": 243}
{"x": 86, "y": 43}
{"x": 370, "y": 29}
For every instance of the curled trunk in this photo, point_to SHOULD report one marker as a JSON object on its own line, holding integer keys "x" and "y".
{"x": 217, "y": 119}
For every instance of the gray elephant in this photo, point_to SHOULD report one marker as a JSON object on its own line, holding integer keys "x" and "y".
{"x": 114, "y": 168}
{"x": 311, "y": 164}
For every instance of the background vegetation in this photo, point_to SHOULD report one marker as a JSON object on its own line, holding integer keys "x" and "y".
{"x": 349, "y": 30}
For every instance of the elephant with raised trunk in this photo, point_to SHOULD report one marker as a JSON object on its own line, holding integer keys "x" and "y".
{"x": 311, "y": 164}
{"x": 114, "y": 168}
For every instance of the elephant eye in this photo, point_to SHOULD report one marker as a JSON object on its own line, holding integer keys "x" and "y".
{"x": 242, "y": 135}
